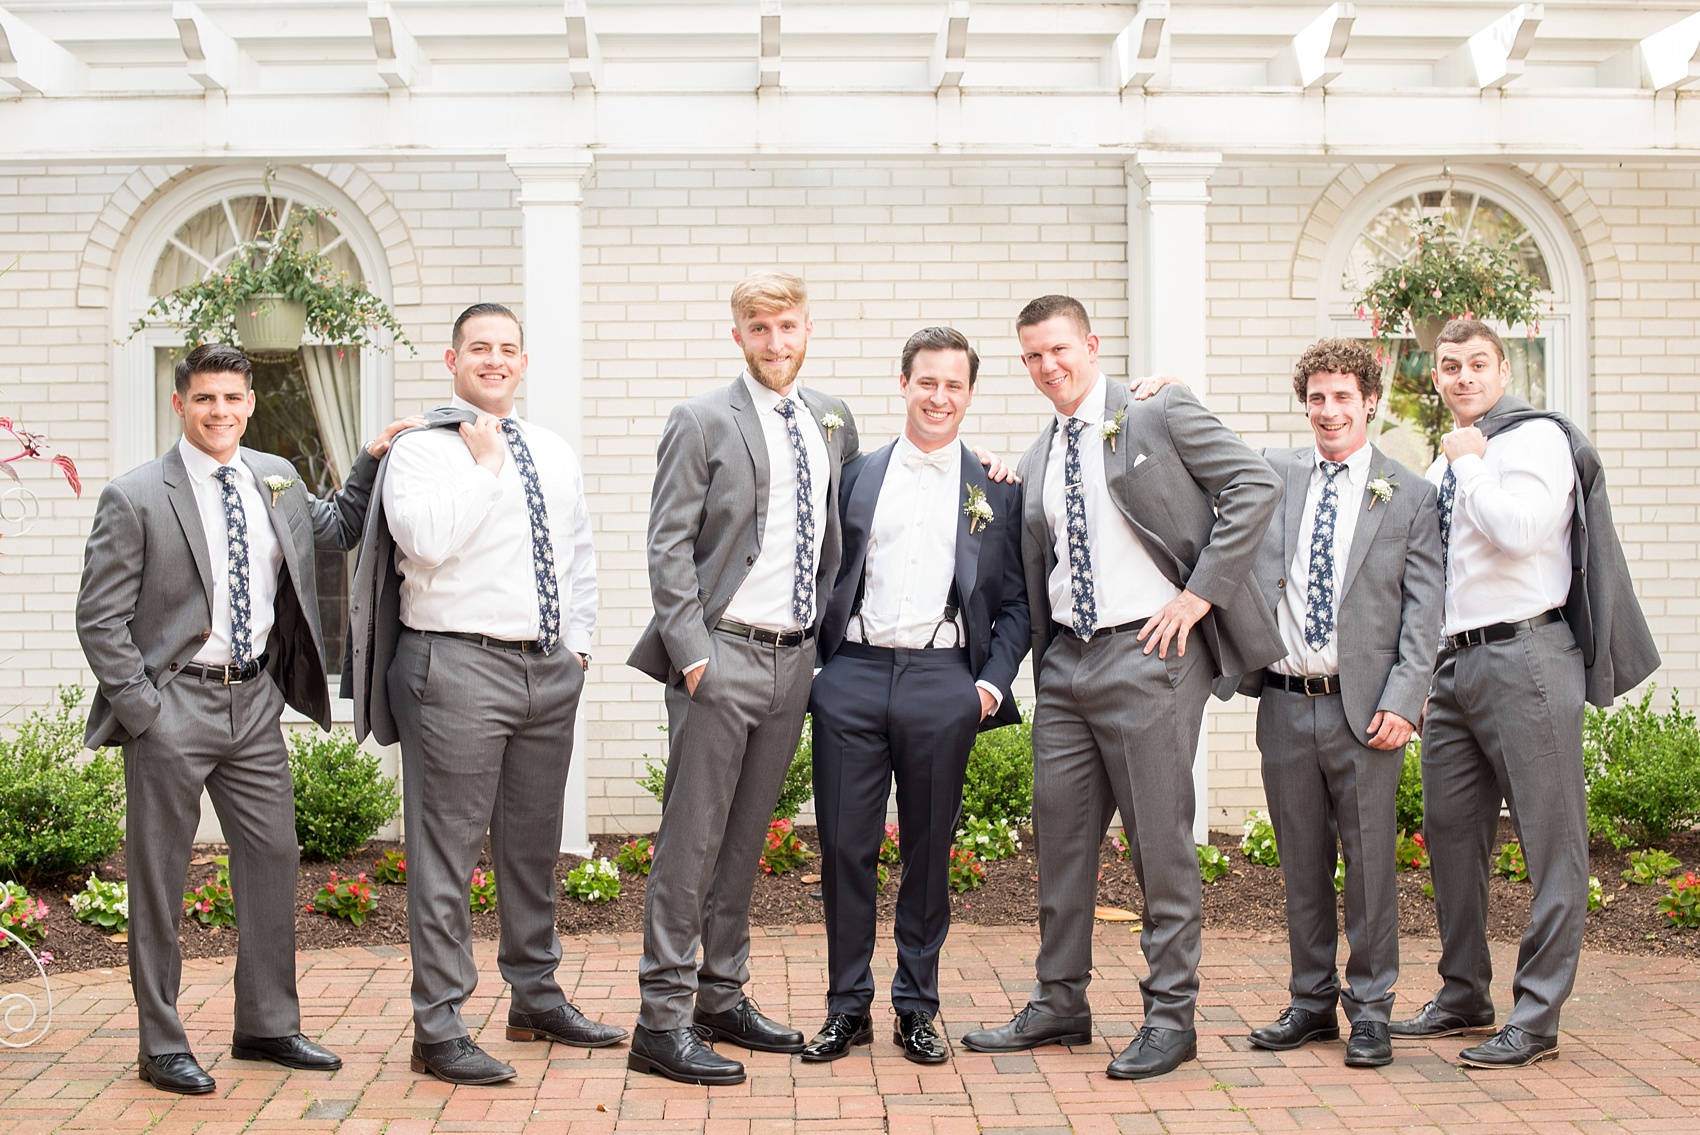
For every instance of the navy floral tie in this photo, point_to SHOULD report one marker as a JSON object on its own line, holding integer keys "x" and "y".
{"x": 1448, "y": 497}
{"x": 803, "y": 585}
{"x": 1319, "y": 598}
{"x": 1079, "y": 551}
{"x": 236, "y": 539}
{"x": 542, "y": 548}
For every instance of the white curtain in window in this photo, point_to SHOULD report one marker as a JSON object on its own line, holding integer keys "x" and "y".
{"x": 333, "y": 383}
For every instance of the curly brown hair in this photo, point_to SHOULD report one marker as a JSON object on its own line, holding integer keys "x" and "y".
{"x": 1346, "y": 356}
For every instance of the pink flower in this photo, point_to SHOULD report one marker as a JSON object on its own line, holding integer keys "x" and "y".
{"x": 46, "y": 957}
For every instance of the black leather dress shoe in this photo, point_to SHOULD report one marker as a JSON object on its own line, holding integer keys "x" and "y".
{"x": 1432, "y": 1021}
{"x": 564, "y": 1025}
{"x": 920, "y": 1040}
{"x": 679, "y": 1054}
{"x": 840, "y": 1033}
{"x": 1296, "y": 1026}
{"x": 290, "y": 1051}
{"x": 1512, "y": 1048}
{"x": 175, "y": 1072}
{"x": 1030, "y": 1028}
{"x": 743, "y": 1024}
{"x": 459, "y": 1061}
{"x": 1369, "y": 1046}
{"x": 1153, "y": 1052}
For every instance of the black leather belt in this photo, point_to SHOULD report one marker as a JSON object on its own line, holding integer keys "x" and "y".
{"x": 230, "y": 674}
{"x": 517, "y": 645}
{"x": 1120, "y": 628}
{"x": 1310, "y": 687}
{"x": 766, "y": 638}
{"x": 1499, "y": 632}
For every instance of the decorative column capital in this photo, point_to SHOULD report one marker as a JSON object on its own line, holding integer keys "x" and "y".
{"x": 1177, "y": 176}
{"x": 552, "y": 177}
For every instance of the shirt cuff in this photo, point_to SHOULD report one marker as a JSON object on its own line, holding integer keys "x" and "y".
{"x": 693, "y": 666}
{"x": 997, "y": 694}
{"x": 1470, "y": 470}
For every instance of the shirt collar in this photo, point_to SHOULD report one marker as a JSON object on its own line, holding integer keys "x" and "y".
{"x": 460, "y": 403}
{"x": 1357, "y": 465}
{"x": 767, "y": 398}
{"x": 905, "y": 446}
{"x": 204, "y": 467}
{"x": 1091, "y": 408}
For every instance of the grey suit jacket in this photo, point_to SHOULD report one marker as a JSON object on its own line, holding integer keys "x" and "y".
{"x": 1199, "y": 500}
{"x": 706, "y": 516}
{"x": 1391, "y": 594}
{"x": 145, "y": 604}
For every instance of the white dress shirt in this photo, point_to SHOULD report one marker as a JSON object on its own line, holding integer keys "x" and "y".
{"x": 463, "y": 537}
{"x": 764, "y": 599}
{"x": 1302, "y": 660}
{"x": 1128, "y": 585}
{"x": 1510, "y": 553}
{"x": 265, "y": 553}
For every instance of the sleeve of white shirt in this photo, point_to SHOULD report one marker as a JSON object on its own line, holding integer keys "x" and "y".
{"x": 581, "y": 586}
{"x": 1523, "y": 508}
{"x": 997, "y": 694}
{"x": 433, "y": 505}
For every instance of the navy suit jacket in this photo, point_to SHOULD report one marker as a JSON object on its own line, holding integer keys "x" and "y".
{"x": 988, "y": 573}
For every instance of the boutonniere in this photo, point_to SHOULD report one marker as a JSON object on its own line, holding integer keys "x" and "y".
{"x": 978, "y": 510}
{"x": 1109, "y": 430}
{"x": 830, "y": 421}
{"x": 278, "y": 485}
{"x": 1381, "y": 489}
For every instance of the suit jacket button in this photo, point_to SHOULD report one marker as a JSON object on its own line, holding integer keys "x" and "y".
{"x": 749, "y": 561}
{"x": 174, "y": 665}
{"x": 205, "y": 635}
{"x": 1281, "y": 583}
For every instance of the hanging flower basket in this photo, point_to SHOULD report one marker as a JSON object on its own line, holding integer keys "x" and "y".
{"x": 270, "y": 322}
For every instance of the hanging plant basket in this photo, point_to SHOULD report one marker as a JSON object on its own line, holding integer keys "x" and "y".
{"x": 270, "y": 323}
{"x": 1426, "y": 330}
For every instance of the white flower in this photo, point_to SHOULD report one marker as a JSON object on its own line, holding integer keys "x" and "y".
{"x": 1111, "y": 427}
{"x": 277, "y": 485}
{"x": 978, "y": 510}
{"x": 830, "y": 421}
{"x": 1381, "y": 489}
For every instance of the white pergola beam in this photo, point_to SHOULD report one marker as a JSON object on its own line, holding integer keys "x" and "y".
{"x": 33, "y": 64}
{"x": 1493, "y": 56}
{"x": 1666, "y": 60}
{"x": 950, "y": 48}
{"x": 1315, "y": 57}
{"x": 584, "y": 54}
{"x": 768, "y": 69}
{"x": 215, "y": 62}
{"x": 400, "y": 62}
{"x": 1140, "y": 54}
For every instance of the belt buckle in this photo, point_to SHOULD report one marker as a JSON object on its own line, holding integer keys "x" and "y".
{"x": 1321, "y": 686}
{"x": 228, "y": 670}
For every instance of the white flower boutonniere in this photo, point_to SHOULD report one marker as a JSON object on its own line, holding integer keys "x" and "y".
{"x": 830, "y": 421}
{"x": 1381, "y": 489}
{"x": 278, "y": 485}
{"x": 1111, "y": 429}
{"x": 978, "y": 510}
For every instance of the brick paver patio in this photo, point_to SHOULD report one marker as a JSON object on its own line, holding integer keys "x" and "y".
{"x": 1629, "y": 1061}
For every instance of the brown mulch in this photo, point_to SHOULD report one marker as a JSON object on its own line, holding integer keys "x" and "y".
{"x": 1251, "y": 898}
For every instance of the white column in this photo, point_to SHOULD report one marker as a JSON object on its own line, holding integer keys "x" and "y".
{"x": 1167, "y": 193}
{"x": 551, "y": 199}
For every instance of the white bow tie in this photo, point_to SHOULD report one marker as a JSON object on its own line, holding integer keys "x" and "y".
{"x": 942, "y": 459}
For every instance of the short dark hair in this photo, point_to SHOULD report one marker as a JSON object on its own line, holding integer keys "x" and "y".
{"x": 479, "y": 309}
{"x": 1347, "y": 356}
{"x": 940, "y": 339}
{"x": 212, "y": 358}
{"x": 1463, "y": 330}
{"x": 1049, "y": 307}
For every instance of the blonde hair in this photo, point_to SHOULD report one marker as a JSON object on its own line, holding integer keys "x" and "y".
{"x": 760, "y": 293}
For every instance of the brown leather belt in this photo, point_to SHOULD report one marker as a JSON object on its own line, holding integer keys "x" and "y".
{"x": 1499, "y": 632}
{"x": 229, "y": 674}
{"x": 1310, "y": 687}
{"x": 766, "y": 638}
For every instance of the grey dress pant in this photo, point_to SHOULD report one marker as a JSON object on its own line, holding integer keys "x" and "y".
{"x": 486, "y": 739}
{"x": 728, "y": 751}
{"x": 227, "y": 740}
{"x": 1323, "y": 783}
{"x": 1505, "y": 722}
{"x": 1113, "y": 728}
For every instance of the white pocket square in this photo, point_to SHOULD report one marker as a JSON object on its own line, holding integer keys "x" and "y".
{"x": 1138, "y": 460}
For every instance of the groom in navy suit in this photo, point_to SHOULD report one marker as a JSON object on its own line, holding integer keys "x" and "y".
{"x": 919, "y": 645}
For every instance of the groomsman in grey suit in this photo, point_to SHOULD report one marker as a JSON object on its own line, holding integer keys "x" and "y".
{"x": 1351, "y": 567}
{"x": 919, "y": 645}
{"x": 487, "y": 640}
{"x": 744, "y": 540}
{"x": 199, "y": 615}
{"x": 1141, "y": 522}
{"x": 1533, "y": 572}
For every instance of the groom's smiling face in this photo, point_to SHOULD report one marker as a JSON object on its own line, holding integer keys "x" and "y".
{"x": 488, "y": 362}
{"x": 775, "y": 343}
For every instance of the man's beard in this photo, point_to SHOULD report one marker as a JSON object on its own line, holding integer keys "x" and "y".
{"x": 762, "y": 372}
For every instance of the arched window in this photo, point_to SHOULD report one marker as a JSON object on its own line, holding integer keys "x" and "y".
{"x": 1547, "y": 359}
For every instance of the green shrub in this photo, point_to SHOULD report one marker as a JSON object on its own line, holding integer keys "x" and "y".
{"x": 1681, "y": 903}
{"x": 1411, "y": 852}
{"x": 391, "y": 868}
{"x": 342, "y": 796}
{"x": 212, "y": 903}
{"x": 999, "y": 785}
{"x": 58, "y": 816}
{"x": 636, "y": 855}
{"x": 966, "y": 870}
{"x": 1643, "y": 772}
{"x": 989, "y": 839}
{"x": 23, "y": 915}
{"x": 1408, "y": 799}
{"x": 799, "y": 778}
{"x": 1597, "y": 899}
{"x": 103, "y": 904}
{"x": 1212, "y": 862}
{"x": 481, "y": 892}
{"x": 782, "y": 850}
{"x": 1339, "y": 875}
{"x": 345, "y": 898}
{"x": 1651, "y": 866}
{"x": 1510, "y": 863}
{"x": 594, "y": 880}
{"x": 1258, "y": 842}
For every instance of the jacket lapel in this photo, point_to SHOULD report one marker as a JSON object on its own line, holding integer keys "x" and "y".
{"x": 182, "y": 495}
{"x": 1293, "y": 501}
{"x": 1369, "y": 523}
{"x": 859, "y": 513}
{"x": 1033, "y": 497}
{"x": 968, "y": 543}
{"x": 749, "y": 425}
{"x": 280, "y": 523}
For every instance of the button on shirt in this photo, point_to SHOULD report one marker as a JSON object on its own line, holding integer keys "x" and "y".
{"x": 1510, "y": 551}
{"x": 1129, "y": 586}
{"x": 463, "y": 537}
{"x": 1302, "y": 660}
{"x": 764, "y": 599}
{"x": 265, "y": 553}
